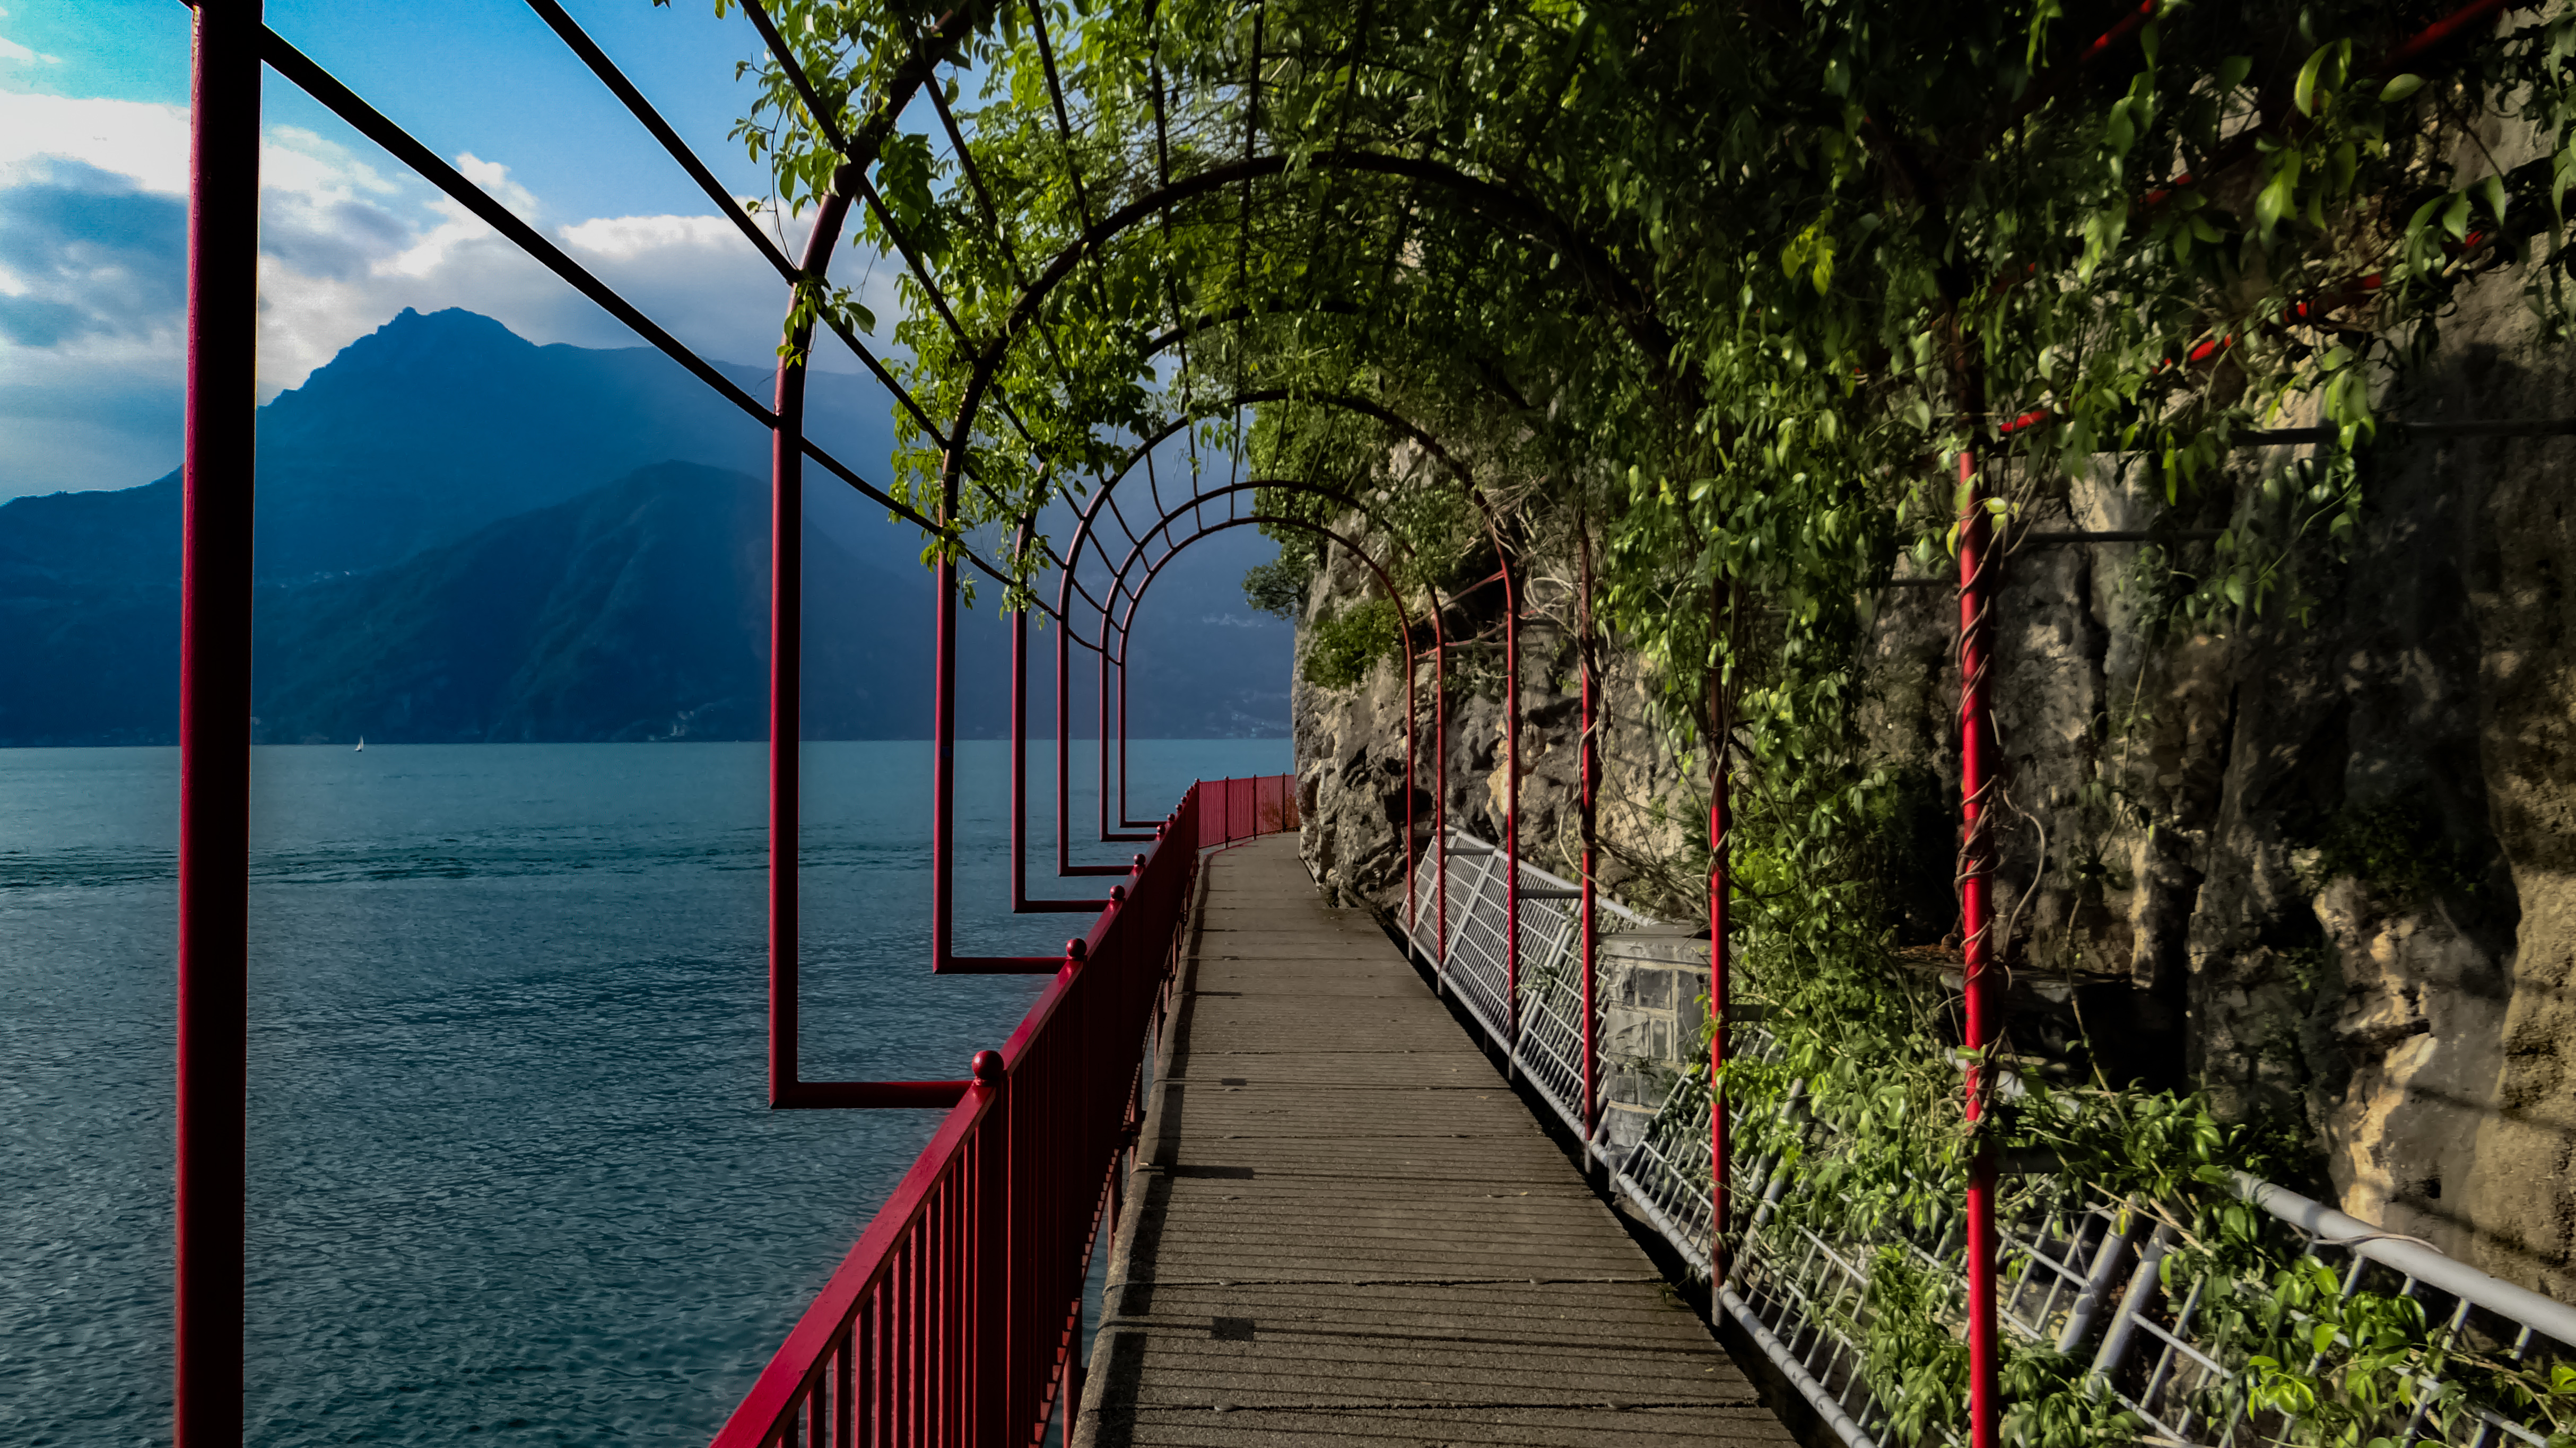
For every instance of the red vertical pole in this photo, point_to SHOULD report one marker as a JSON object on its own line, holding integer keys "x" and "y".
{"x": 988, "y": 1316}
{"x": 1976, "y": 777}
{"x": 1104, "y": 724}
{"x": 1412, "y": 732}
{"x": 1063, "y": 732}
{"x": 1588, "y": 766}
{"x": 1511, "y": 808}
{"x": 214, "y": 718}
{"x": 1019, "y": 760}
{"x": 1440, "y": 788}
{"x": 943, "y": 768}
{"x": 1720, "y": 948}
{"x": 1123, "y": 821}
{"x": 787, "y": 666}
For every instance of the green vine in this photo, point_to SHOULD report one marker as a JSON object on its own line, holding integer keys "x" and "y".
{"x": 1343, "y": 650}
{"x": 1722, "y": 300}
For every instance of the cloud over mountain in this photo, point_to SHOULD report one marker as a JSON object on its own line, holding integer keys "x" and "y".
{"x": 93, "y": 276}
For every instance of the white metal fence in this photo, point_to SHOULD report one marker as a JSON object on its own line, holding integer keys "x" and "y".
{"x": 2079, "y": 1273}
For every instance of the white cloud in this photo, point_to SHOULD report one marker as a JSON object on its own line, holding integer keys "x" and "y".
{"x": 694, "y": 275}
{"x": 11, "y": 50}
{"x": 629, "y": 237}
{"x": 140, "y": 139}
{"x": 494, "y": 178}
{"x": 347, "y": 242}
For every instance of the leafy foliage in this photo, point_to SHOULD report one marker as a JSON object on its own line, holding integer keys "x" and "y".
{"x": 1277, "y": 587}
{"x": 1734, "y": 296}
{"x": 2397, "y": 848}
{"x": 1341, "y": 651}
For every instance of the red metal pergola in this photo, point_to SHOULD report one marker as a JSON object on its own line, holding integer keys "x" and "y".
{"x": 232, "y": 44}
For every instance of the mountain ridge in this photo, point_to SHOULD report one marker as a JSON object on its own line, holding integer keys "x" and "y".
{"x": 369, "y": 485}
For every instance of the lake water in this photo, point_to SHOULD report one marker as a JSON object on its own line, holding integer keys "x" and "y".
{"x": 511, "y": 1171}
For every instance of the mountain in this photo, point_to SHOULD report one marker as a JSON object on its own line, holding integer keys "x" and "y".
{"x": 464, "y": 535}
{"x": 637, "y": 611}
{"x": 433, "y": 426}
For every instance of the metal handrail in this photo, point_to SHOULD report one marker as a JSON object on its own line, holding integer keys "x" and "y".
{"x": 2077, "y": 1273}
{"x": 2416, "y": 1260}
{"x": 956, "y": 1318}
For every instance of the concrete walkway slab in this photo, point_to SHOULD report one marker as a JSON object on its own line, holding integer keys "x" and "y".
{"x": 1345, "y": 1227}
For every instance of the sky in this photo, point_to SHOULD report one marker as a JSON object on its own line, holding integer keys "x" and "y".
{"x": 93, "y": 203}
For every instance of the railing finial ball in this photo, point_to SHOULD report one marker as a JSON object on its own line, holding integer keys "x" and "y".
{"x": 1136, "y": 862}
{"x": 988, "y": 1069}
{"x": 1076, "y": 949}
{"x": 1117, "y": 894}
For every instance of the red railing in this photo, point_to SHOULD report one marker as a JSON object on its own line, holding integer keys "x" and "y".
{"x": 1239, "y": 809}
{"x": 956, "y": 1321}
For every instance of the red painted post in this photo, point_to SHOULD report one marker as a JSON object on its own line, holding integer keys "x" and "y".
{"x": 1063, "y": 728}
{"x": 1976, "y": 777}
{"x": 787, "y": 667}
{"x": 1440, "y": 791}
{"x": 1019, "y": 760}
{"x": 1720, "y": 950}
{"x": 1511, "y": 811}
{"x": 214, "y": 719}
{"x": 992, "y": 1360}
{"x": 1104, "y": 724}
{"x": 1588, "y": 766}
{"x": 1412, "y": 733}
{"x": 943, "y": 766}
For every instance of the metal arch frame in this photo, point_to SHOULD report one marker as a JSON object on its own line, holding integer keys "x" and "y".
{"x": 1431, "y": 444}
{"x": 1439, "y": 653}
{"x": 1587, "y": 886}
{"x": 1066, "y": 586}
{"x": 1118, "y": 589}
{"x": 1623, "y": 298}
{"x": 232, "y": 42}
{"x": 946, "y": 962}
{"x": 1136, "y": 597}
{"x": 230, "y": 45}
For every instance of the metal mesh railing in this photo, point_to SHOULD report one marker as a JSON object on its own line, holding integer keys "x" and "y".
{"x": 2078, "y": 1272}
{"x": 1548, "y": 1046}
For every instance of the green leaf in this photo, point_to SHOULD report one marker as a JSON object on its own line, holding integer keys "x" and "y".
{"x": 2274, "y": 202}
{"x": 2455, "y": 217}
{"x": 2493, "y": 195}
{"x": 2422, "y": 218}
{"x": 2400, "y": 87}
{"x": 2304, "y": 93}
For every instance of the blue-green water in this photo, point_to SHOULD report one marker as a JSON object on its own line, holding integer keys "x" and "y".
{"x": 511, "y": 1170}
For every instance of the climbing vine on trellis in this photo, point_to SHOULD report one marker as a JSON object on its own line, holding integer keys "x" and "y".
{"x": 1737, "y": 285}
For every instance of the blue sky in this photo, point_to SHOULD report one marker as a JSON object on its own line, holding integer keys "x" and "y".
{"x": 93, "y": 133}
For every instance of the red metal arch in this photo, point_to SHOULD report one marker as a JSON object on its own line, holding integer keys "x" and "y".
{"x": 1411, "y": 726}
{"x": 1063, "y": 722}
{"x": 1369, "y": 407}
{"x": 1164, "y": 524}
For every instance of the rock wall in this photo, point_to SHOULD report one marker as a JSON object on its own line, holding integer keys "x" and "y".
{"x": 1351, "y": 764}
{"x": 2323, "y": 869}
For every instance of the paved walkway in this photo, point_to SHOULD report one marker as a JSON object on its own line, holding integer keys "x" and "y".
{"x": 1348, "y": 1229}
